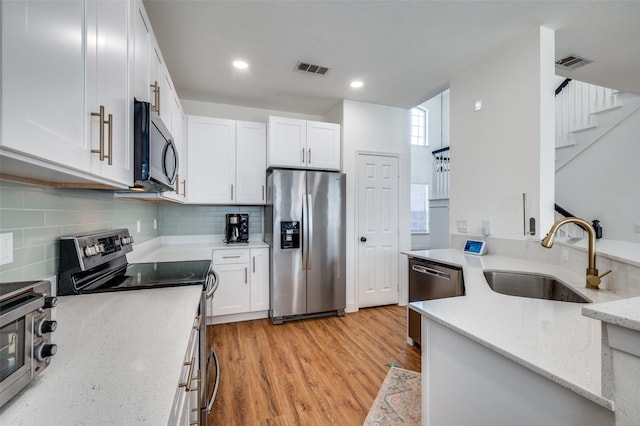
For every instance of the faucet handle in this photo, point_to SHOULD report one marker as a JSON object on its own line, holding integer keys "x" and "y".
{"x": 593, "y": 279}
{"x": 606, "y": 273}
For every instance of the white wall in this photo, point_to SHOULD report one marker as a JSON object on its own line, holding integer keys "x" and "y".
{"x": 603, "y": 182}
{"x": 507, "y": 148}
{"x": 374, "y": 129}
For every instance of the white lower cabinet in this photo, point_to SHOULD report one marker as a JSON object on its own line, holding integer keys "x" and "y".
{"x": 259, "y": 279}
{"x": 243, "y": 281}
{"x": 185, "y": 409}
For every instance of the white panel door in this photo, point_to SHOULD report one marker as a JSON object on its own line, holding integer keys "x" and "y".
{"x": 251, "y": 162}
{"x": 211, "y": 155}
{"x": 43, "y": 81}
{"x": 377, "y": 222}
{"x": 323, "y": 145}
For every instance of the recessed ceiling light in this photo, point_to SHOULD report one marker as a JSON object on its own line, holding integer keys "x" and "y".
{"x": 241, "y": 65}
{"x": 357, "y": 84}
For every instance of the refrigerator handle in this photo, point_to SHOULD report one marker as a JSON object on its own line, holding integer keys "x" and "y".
{"x": 309, "y": 229}
{"x": 305, "y": 239}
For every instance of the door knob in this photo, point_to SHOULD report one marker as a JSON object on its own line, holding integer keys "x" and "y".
{"x": 363, "y": 239}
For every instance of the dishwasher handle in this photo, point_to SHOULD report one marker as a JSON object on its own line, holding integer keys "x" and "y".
{"x": 429, "y": 271}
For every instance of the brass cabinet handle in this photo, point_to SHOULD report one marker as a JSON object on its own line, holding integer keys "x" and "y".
{"x": 101, "y": 149}
{"x": 303, "y": 155}
{"x": 262, "y": 192}
{"x": 309, "y": 157}
{"x": 156, "y": 96}
{"x": 254, "y": 264}
{"x": 110, "y": 144}
{"x": 246, "y": 275}
{"x": 187, "y": 384}
{"x": 184, "y": 188}
{"x": 231, "y": 192}
{"x": 109, "y": 123}
{"x": 177, "y": 183}
{"x": 231, "y": 257}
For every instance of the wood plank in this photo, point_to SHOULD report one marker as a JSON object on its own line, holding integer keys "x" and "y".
{"x": 316, "y": 371}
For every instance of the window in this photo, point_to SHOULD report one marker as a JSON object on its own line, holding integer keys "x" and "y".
{"x": 419, "y": 124}
{"x": 419, "y": 208}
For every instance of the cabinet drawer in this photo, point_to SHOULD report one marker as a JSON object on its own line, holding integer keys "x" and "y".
{"x": 221, "y": 257}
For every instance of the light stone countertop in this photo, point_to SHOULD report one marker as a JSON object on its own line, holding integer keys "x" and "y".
{"x": 187, "y": 247}
{"x": 624, "y": 313}
{"x": 119, "y": 360}
{"x": 551, "y": 338}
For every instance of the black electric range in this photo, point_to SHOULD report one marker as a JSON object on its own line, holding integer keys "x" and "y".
{"x": 96, "y": 263}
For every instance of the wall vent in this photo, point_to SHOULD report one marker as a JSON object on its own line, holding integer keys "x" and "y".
{"x": 311, "y": 68}
{"x": 572, "y": 62}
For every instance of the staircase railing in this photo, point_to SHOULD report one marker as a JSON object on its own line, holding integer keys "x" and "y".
{"x": 441, "y": 171}
{"x": 575, "y": 105}
{"x": 575, "y": 231}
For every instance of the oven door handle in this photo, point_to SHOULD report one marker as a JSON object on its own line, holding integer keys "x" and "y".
{"x": 32, "y": 302}
{"x": 213, "y": 287}
{"x": 213, "y": 354}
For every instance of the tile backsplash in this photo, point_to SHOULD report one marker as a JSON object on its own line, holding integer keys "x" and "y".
{"x": 205, "y": 220}
{"x": 37, "y": 216}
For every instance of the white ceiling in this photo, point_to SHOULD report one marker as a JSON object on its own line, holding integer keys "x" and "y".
{"x": 404, "y": 51}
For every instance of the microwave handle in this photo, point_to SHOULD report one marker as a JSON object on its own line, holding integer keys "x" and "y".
{"x": 172, "y": 177}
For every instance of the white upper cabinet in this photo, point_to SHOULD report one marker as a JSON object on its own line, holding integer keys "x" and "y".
{"x": 51, "y": 85}
{"x": 226, "y": 161}
{"x": 108, "y": 112}
{"x": 211, "y": 154}
{"x": 287, "y": 142}
{"x": 141, "y": 46}
{"x": 43, "y": 82}
{"x": 303, "y": 144}
{"x": 323, "y": 145}
{"x": 251, "y": 162}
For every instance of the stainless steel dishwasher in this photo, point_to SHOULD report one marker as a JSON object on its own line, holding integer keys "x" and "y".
{"x": 430, "y": 280}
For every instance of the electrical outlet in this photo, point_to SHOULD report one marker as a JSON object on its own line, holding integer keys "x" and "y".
{"x": 463, "y": 226}
{"x": 636, "y": 228}
{"x": 138, "y": 226}
{"x": 565, "y": 255}
{"x": 6, "y": 248}
{"x": 155, "y": 223}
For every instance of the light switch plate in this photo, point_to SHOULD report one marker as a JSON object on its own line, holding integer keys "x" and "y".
{"x": 463, "y": 226}
{"x": 6, "y": 248}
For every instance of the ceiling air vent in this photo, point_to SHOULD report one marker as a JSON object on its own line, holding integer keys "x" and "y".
{"x": 572, "y": 62}
{"x": 311, "y": 68}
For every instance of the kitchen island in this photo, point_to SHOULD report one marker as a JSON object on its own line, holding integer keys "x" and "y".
{"x": 119, "y": 360}
{"x": 490, "y": 358}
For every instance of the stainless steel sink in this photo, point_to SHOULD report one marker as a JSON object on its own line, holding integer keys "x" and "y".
{"x": 533, "y": 285}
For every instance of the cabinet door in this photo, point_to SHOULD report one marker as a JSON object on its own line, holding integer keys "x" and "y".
{"x": 260, "y": 279}
{"x": 107, "y": 66}
{"x": 251, "y": 162}
{"x": 43, "y": 81}
{"x": 211, "y": 154}
{"x": 233, "y": 294}
{"x": 167, "y": 93}
{"x": 287, "y": 142}
{"x": 323, "y": 145}
{"x": 156, "y": 66}
{"x": 141, "y": 45}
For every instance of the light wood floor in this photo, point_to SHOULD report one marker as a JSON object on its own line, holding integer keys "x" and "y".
{"x": 324, "y": 371}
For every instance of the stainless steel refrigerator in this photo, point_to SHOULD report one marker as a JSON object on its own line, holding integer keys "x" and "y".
{"x": 305, "y": 227}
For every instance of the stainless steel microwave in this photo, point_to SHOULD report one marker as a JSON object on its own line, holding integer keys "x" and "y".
{"x": 155, "y": 156}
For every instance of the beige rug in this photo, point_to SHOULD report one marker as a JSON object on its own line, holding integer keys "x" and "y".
{"x": 398, "y": 401}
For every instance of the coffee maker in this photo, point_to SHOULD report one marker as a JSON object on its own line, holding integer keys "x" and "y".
{"x": 237, "y": 228}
